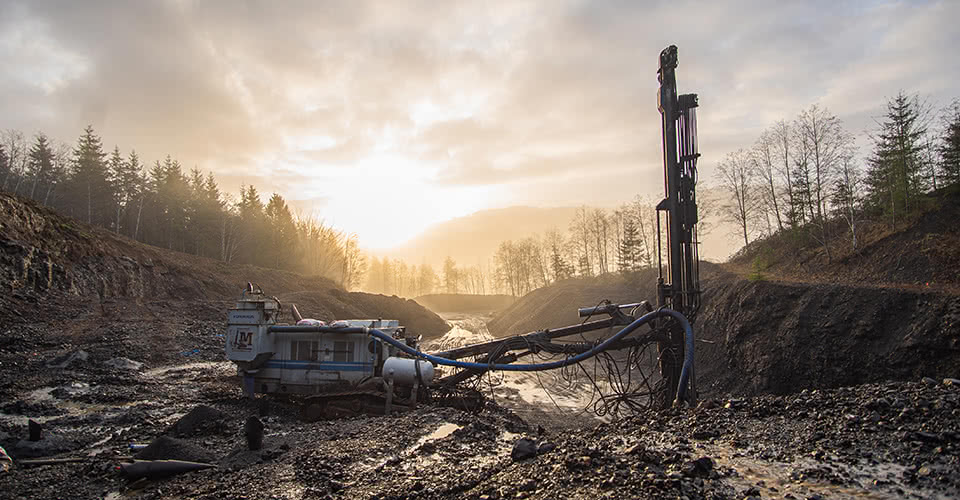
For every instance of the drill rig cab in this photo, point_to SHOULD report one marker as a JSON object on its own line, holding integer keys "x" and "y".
{"x": 339, "y": 366}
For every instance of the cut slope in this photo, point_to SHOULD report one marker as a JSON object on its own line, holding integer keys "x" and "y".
{"x": 769, "y": 337}
{"x": 55, "y": 264}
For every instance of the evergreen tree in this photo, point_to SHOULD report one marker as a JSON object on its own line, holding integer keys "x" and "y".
{"x": 283, "y": 238}
{"x": 950, "y": 145}
{"x": 40, "y": 165}
{"x": 124, "y": 176}
{"x": 630, "y": 250}
{"x": 895, "y": 177}
{"x": 131, "y": 193}
{"x": 91, "y": 196}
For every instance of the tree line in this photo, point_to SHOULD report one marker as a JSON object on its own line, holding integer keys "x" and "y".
{"x": 167, "y": 206}
{"x": 596, "y": 241}
{"x": 806, "y": 175}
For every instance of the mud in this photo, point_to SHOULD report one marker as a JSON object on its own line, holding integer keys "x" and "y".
{"x": 890, "y": 440}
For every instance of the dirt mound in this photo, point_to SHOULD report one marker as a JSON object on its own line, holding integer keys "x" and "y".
{"x": 168, "y": 448}
{"x": 757, "y": 337}
{"x": 202, "y": 419}
{"x": 464, "y": 303}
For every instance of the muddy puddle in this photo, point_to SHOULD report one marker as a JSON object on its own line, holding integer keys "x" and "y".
{"x": 557, "y": 398}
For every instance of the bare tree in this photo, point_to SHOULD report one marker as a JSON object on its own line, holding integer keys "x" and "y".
{"x": 765, "y": 160}
{"x": 781, "y": 138}
{"x": 734, "y": 175}
{"x": 827, "y": 142}
{"x": 848, "y": 194}
{"x": 580, "y": 235}
{"x": 15, "y": 146}
{"x": 646, "y": 216}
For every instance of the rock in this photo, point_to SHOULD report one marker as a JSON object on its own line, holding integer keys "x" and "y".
{"x": 253, "y": 429}
{"x": 69, "y": 359}
{"x": 952, "y": 382}
{"x": 700, "y": 467}
{"x": 35, "y": 429}
{"x": 5, "y": 462}
{"x": 928, "y": 381}
{"x": 50, "y": 445}
{"x": 123, "y": 364}
{"x": 523, "y": 449}
{"x": 927, "y": 437}
{"x": 546, "y": 448}
{"x": 201, "y": 419}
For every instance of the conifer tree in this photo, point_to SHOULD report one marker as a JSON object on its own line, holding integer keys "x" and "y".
{"x": 895, "y": 177}
{"x": 40, "y": 164}
{"x": 90, "y": 191}
{"x": 950, "y": 145}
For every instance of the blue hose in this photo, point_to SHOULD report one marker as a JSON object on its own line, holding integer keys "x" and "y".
{"x": 684, "y": 373}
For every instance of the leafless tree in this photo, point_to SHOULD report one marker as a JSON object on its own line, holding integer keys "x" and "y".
{"x": 734, "y": 176}
{"x": 581, "y": 237}
{"x": 765, "y": 160}
{"x": 780, "y": 137}
{"x": 15, "y": 145}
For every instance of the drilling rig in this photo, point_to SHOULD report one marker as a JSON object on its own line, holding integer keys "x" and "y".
{"x": 354, "y": 366}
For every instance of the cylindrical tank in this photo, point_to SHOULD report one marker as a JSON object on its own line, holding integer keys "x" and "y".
{"x": 404, "y": 370}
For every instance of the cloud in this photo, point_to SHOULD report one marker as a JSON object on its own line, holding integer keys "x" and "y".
{"x": 491, "y": 95}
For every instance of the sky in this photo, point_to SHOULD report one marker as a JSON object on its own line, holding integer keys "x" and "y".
{"x": 382, "y": 118}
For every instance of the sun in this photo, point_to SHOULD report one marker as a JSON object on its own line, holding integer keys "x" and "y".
{"x": 387, "y": 198}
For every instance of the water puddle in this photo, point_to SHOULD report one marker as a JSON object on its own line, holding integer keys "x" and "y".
{"x": 806, "y": 477}
{"x": 441, "y": 432}
{"x": 188, "y": 368}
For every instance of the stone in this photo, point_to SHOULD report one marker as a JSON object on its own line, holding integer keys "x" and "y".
{"x": 523, "y": 449}
{"x": 546, "y": 448}
{"x": 125, "y": 364}
{"x": 69, "y": 359}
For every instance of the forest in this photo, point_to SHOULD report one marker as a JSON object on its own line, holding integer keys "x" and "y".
{"x": 803, "y": 175}
{"x": 166, "y": 206}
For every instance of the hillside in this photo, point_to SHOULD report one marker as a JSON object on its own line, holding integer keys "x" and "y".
{"x": 474, "y": 238}
{"x": 465, "y": 303}
{"x": 922, "y": 252}
{"x": 890, "y": 311}
{"x": 68, "y": 283}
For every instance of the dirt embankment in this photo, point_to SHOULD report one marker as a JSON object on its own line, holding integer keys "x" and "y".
{"x": 465, "y": 303}
{"x": 779, "y": 337}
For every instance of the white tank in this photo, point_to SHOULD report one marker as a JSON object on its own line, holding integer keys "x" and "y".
{"x": 404, "y": 370}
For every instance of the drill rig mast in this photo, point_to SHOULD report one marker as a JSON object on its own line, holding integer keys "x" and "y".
{"x": 679, "y": 288}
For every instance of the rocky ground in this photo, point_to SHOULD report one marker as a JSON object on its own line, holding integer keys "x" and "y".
{"x": 877, "y": 441}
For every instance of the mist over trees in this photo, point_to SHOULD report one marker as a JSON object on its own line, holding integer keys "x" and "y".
{"x": 166, "y": 206}
{"x": 805, "y": 176}
{"x": 597, "y": 241}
